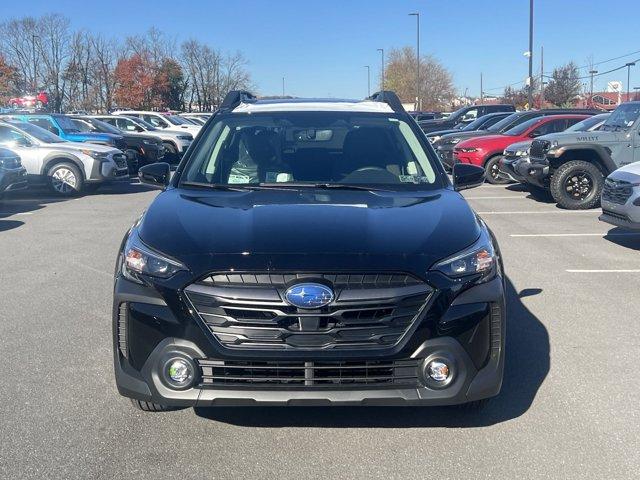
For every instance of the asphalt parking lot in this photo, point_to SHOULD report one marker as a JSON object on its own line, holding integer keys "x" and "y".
{"x": 568, "y": 407}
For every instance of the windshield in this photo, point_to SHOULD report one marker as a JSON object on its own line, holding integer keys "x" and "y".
{"x": 100, "y": 126}
{"x": 143, "y": 123}
{"x": 306, "y": 149}
{"x": 45, "y": 136}
{"x": 623, "y": 117}
{"x": 504, "y": 124}
{"x": 484, "y": 121}
{"x": 175, "y": 120}
{"x": 523, "y": 127}
{"x": 586, "y": 124}
{"x": 66, "y": 124}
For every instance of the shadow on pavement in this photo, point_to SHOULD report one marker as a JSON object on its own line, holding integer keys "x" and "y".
{"x": 624, "y": 238}
{"x": 527, "y": 365}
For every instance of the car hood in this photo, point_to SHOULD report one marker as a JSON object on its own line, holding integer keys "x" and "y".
{"x": 628, "y": 173}
{"x": 194, "y": 226}
{"x": 600, "y": 137}
{"x": 491, "y": 141}
{"x": 514, "y": 147}
{"x": 78, "y": 146}
{"x": 463, "y": 135}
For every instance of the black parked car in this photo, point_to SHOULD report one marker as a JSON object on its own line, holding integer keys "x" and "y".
{"x": 314, "y": 254}
{"x": 140, "y": 149}
{"x": 445, "y": 144}
{"x": 463, "y": 116}
{"x": 13, "y": 176}
{"x": 481, "y": 123}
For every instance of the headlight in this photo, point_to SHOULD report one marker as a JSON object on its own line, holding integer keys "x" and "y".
{"x": 95, "y": 154}
{"x": 468, "y": 150}
{"x": 521, "y": 153}
{"x": 140, "y": 259}
{"x": 480, "y": 258}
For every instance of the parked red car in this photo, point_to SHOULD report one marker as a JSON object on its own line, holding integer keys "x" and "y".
{"x": 40, "y": 100}
{"x": 487, "y": 151}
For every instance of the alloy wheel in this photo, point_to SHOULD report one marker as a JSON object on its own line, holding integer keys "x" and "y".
{"x": 579, "y": 185}
{"x": 64, "y": 180}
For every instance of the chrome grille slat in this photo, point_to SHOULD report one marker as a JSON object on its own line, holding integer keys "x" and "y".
{"x": 375, "y": 317}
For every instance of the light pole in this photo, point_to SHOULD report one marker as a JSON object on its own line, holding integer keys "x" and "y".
{"x": 637, "y": 89}
{"x": 418, "y": 103}
{"x": 629, "y": 65}
{"x": 283, "y": 86}
{"x": 381, "y": 50}
{"x": 368, "y": 80}
{"x": 530, "y": 93}
{"x": 592, "y": 73}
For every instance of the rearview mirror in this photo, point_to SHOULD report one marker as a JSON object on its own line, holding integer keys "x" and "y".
{"x": 467, "y": 176}
{"x": 155, "y": 174}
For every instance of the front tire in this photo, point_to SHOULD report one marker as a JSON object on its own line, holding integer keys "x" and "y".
{"x": 494, "y": 175}
{"x": 65, "y": 179}
{"x": 171, "y": 152}
{"x": 577, "y": 185}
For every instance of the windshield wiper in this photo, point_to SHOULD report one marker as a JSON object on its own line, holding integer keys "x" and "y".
{"x": 215, "y": 186}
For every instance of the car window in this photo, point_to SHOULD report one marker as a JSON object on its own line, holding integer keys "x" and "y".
{"x": 155, "y": 121}
{"x": 126, "y": 124}
{"x": 311, "y": 147}
{"x": 9, "y": 136}
{"x": 44, "y": 123}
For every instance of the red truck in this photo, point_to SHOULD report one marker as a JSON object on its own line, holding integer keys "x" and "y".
{"x": 39, "y": 100}
{"x": 487, "y": 151}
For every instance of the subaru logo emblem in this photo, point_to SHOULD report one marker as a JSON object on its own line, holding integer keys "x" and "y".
{"x": 309, "y": 295}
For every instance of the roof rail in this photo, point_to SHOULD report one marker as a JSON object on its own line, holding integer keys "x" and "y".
{"x": 235, "y": 98}
{"x": 390, "y": 98}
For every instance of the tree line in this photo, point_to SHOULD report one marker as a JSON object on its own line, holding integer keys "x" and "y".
{"x": 81, "y": 70}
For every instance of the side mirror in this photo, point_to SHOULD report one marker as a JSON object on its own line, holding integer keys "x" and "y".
{"x": 467, "y": 176}
{"x": 155, "y": 174}
{"x": 22, "y": 142}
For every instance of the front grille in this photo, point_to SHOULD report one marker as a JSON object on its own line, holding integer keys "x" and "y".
{"x": 539, "y": 148}
{"x": 249, "y": 311}
{"x": 617, "y": 191}
{"x": 121, "y": 160}
{"x": 121, "y": 330}
{"x": 309, "y": 375}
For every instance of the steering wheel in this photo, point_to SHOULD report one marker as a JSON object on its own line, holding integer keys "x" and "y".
{"x": 371, "y": 175}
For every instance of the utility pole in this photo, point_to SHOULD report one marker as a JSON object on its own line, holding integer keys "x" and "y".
{"x": 541, "y": 77}
{"x": 283, "y": 86}
{"x": 481, "y": 91}
{"x": 629, "y": 65}
{"x": 418, "y": 102}
{"x": 381, "y": 50}
{"x": 368, "y": 80}
{"x": 530, "y": 95}
{"x": 592, "y": 73}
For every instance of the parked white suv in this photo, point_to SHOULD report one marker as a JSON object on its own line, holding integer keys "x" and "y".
{"x": 67, "y": 167}
{"x": 621, "y": 197}
{"x": 175, "y": 142}
{"x": 162, "y": 120}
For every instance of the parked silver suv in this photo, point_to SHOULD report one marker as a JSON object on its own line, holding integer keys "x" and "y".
{"x": 67, "y": 167}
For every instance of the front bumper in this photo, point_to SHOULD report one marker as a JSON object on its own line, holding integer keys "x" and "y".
{"x": 625, "y": 215}
{"x": 115, "y": 167}
{"x": 509, "y": 166}
{"x": 13, "y": 179}
{"x": 156, "y": 332}
{"x": 535, "y": 172}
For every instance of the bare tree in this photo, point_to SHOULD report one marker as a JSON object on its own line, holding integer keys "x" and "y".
{"x": 18, "y": 39}
{"x": 436, "y": 85}
{"x": 564, "y": 86}
{"x": 106, "y": 54}
{"x": 54, "y": 45}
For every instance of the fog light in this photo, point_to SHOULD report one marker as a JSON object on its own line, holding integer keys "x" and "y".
{"x": 179, "y": 372}
{"x": 438, "y": 371}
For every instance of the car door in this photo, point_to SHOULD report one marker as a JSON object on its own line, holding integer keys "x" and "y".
{"x": 23, "y": 146}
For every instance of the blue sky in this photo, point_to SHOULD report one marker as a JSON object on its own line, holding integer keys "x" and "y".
{"x": 321, "y": 47}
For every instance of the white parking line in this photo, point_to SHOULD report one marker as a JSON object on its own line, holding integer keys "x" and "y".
{"x": 546, "y": 212}
{"x": 16, "y": 213}
{"x": 621, "y": 234}
{"x": 604, "y": 271}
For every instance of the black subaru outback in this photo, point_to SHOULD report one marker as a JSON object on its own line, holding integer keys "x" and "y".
{"x": 309, "y": 252}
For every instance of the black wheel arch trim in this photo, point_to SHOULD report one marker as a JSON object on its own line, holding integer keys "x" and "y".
{"x": 603, "y": 156}
{"x": 54, "y": 158}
